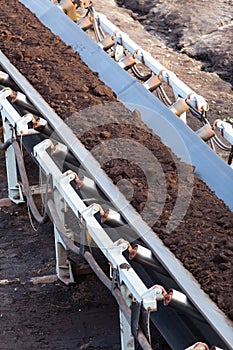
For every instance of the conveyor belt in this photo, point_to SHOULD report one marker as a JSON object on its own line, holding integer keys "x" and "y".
{"x": 184, "y": 142}
{"x": 211, "y": 324}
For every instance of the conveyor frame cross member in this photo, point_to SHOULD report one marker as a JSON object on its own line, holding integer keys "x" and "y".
{"x": 14, "y": 125}
{"x": 179, "y": 88}
{"x": 128, "y": 281}
{"x": 9, "y": 120}
{"x": 127, "y": 339}
{"x": 63, "y": 265}
{"x": 227, "y": 132}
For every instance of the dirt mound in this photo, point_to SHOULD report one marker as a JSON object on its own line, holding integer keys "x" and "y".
{"x": 203, "y": 29}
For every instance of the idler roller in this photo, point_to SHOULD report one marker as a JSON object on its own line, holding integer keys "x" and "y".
{"x": 179, "y": 301}
{"x": 6, "y": 80}
{"x": 144, "y": 256}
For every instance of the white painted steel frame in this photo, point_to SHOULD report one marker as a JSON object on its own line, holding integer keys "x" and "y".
{"x": 9, "y": 119}
{"x": 128, "y": 279}
{"x": 183, "y": 278}
{"x": 169, "y": 77}
{"x": 226, "y": 130}
{"x": 63, "y": 265}
{"x": 111, "y": 250}
{"x": 64, "y": 191}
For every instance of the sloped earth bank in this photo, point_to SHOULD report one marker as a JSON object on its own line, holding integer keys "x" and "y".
{"x": 47, "y": 316}
{"x": 216, "y": 91}
{"x": 202, "y": 29}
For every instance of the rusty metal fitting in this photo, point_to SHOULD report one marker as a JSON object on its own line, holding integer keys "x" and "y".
{"x": 218, "y": 123}
{"x": 132, "y": 251}
{"x": 66, "y": 4}
{"x": 13, "y": 96}
{"x": 198, "y": 346}
{"x": 215, "y": 124}
{"x": 18, "y": 97}
{"x": 21, "y": 100}
{"x": 175, "y": 297}
{"x": 76, "y": 178}
{"x": 179, "y": 301}
{"x": 135, "y": 54}
{"x": 164, "y": 292}
{"x": 117, "y": 35}
{"x": 128, "y": 61}
{"x": 104, "y": 216}
{"x": 168, "y": 298}
{"x": 84, "y": 4}
{"x": 79, "y": 182}
{"x": 58, "y": 149}
{"x": 69, "y": 8}
{"x": 72, "y": 14}
{"x": 53, "y": 148}
{"x": 205, "y": 132}
{"x": 88, "y": 237}
{"x": 153, "y": 82}
{"x": 114, "y": 35}
{"x": 179, "y": 106}
{"x": 107, "y": 42}
{"x": 112, "y": 218}
{"x": 86, "y": 183}
{"x": 36, "y": 122}
{"x": 101, "y": 211}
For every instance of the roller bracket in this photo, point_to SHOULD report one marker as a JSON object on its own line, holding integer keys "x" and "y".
{"x": 226, "y": 129}
{"x": 201, "y": 346}
{"x": 151, "y": 297}
{"x": 153, "y": 82}
{"x": 23, "y": 128}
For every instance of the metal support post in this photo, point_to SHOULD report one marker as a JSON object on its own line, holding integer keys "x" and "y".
{"x": 63, "y": 265}
{"x": 127, "y": 339}
{"x": 14, "y": 188}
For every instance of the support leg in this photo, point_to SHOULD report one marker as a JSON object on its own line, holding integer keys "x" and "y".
{"x": 63, "y": 265}
{"x": 14, "y": 189}
{"x": 127, "y": 340}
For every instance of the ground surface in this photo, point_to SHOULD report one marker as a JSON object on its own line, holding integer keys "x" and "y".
{"x": 46, "y": 316}
{"x": 201, "y": 29}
